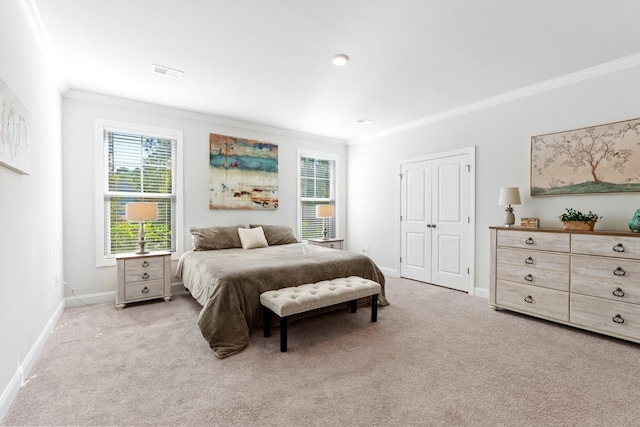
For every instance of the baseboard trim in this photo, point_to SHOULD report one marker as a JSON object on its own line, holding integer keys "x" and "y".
{"x": 106, "y": 297}
{"x": 481, "y": 292}
{"x": 389, "y": 272}
{"x": 18, "y": 380}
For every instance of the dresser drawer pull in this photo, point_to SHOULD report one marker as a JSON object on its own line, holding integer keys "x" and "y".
{"x": 528, "y": 299}
{"x": 529, "y": 241}
{"x": 528, "y": 278}
{"x": 528, "y": 260}
{"x": 619, "y": 272}
{"x": 145, "y": 276}
{"x": 145, "y": 264}
{"x": 618, "y": 319}
{"x": 618, "y": 292}
{"x": 145, "y": 290}
{"x": 618, "y": 248}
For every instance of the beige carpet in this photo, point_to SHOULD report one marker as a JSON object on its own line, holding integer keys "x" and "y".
{"x": 435, "y": 357}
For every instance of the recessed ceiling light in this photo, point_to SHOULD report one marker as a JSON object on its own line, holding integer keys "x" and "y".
{"x": 166, "y": 71}
{"x": 366, "y": 122}
{"x": 340, "y": 59}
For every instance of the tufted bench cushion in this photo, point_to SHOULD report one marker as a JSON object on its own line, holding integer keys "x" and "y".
{"x": 294, "y": 300}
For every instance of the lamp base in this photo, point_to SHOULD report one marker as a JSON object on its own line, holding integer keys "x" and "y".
{"x": 509, "y": 217}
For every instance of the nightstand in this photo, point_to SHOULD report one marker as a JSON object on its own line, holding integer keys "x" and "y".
{"x": 143, "y": 277}
{"x": 328, "y": 243}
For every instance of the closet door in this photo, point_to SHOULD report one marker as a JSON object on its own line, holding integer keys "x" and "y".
{"x": 435, "y": 222}
{"x": 415, "y": 252}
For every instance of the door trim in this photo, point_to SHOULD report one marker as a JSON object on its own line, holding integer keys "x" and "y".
{"x": 471, "y": 151}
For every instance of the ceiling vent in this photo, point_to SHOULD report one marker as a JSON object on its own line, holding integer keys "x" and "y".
{"x": 166, "y": 71}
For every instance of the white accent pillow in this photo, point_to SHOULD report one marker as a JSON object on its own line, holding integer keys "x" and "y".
{"x": 252, "y": 238}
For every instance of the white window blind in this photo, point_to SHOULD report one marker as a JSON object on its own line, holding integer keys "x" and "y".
{"x": 317, "y": 186}
{"x": 139, "y": 168}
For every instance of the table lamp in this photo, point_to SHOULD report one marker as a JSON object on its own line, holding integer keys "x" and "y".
{"x": 324, "y": 212}
{"x": 509, "y": 196}
{"x": 142, "y": 212}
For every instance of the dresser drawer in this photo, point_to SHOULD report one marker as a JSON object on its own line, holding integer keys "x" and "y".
{"x": 611, "y": 246}
{"x": 615, "y": 317}
{"x": 544, "y": 302}
{"x": 134, "y": 291}
{"x": 549, "y": 270}
{"x": 557, "y": 242}
{"x": 610, "y": 278}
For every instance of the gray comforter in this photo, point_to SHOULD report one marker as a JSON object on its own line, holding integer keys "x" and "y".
{"x": 228, "y": 283}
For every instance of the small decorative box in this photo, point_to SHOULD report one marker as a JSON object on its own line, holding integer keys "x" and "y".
{"x": 530, "y": 222}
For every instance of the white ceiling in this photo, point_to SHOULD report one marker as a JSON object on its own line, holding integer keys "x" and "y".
{"x": 268, "y": 62}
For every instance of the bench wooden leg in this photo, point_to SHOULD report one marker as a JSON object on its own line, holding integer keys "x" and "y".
{"x": 374, "y": 308}
{"x": 354, "y": 306}
{"x": 283, "y": 334}
{"x": 267, "y": 322}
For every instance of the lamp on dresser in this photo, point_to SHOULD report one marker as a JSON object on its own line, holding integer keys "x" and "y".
{"x": 509, "y": 196}
{"x": 142, "y": 212}
{"x": 324, "y": 212}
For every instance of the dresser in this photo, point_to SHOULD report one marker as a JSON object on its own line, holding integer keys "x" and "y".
{"x": 143, "y": 277}
{"x": 328, "y": 243}
{"x": 586, "y": 279}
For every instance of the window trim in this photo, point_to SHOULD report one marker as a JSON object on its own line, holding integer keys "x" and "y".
{"x": 337, "y": 205}
{"x": 101, "y": 184}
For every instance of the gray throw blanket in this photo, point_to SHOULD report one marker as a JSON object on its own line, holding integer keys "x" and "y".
{"x": 228, "y": 283}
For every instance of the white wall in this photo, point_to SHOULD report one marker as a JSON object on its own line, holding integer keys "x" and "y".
{"x": 502, "y": 135}
{"x": 80, "y": 110}
{"x": 30, "y": 210}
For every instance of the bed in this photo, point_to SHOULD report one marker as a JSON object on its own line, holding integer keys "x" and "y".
{"x": 227, "y": 281}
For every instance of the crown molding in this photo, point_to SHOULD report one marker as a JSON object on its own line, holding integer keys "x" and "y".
{"x": 547, "y": 85}
{"x": 191, "y": 115}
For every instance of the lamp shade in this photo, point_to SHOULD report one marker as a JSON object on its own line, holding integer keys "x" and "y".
{"x": 324, "y": 211}
{"x": 509, "y": 196}
{"x": 142, "y": 211}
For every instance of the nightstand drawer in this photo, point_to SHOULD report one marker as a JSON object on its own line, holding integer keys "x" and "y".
{"x": 146, "y": 263}
{"x": 137, "y": 275}
{"x": 154, "y": 288}
{"x": 609, "y": 316}
{"x": 533, "y": 300}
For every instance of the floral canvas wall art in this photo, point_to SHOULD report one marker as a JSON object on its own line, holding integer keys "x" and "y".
{"x": 597, "y": 159}
{"x": 243, "y": 173}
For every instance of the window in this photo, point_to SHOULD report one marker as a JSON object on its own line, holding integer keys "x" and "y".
{"x": 317, "y": 184}
{"x": 137, "y": 165}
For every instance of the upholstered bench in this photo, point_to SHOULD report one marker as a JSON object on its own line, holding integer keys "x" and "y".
{"x": 286, "y": 302}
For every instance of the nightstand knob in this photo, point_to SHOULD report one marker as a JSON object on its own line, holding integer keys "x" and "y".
{"x": 529, "y": 241}
{"x": 145, "y": 264}
{"x": 618, "y": 319}
{"x": 145, "y": 290}
{"x": 332, "y": 245}
{"x": 528, "y": 278}
{"x": 528, "y": 260}
{"x": 618, "y": 248}
{"x": 619, "y": 272}
{"x": 145, "y": 276}
{"x": 528, "y": 299}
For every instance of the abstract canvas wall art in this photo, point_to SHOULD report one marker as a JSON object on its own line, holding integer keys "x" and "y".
{"x": 597, "y": 159}
{"x": 15, "y": 147}
{"x": 243, "y": 173}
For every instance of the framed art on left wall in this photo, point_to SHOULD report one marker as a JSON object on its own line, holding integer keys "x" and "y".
{"x": 15, "y": 147}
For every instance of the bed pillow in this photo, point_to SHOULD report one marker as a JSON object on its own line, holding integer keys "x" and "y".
{"x": 277, "y": 234}
{"x": 208, "y": 238}
{"x": 252, "y": 238}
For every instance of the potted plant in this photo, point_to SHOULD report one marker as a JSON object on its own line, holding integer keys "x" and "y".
{"x": 575, "y": 220}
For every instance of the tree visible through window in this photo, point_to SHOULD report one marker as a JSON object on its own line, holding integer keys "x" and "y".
{"x": 317, "y": 186}
{"x": 139, "y": 168}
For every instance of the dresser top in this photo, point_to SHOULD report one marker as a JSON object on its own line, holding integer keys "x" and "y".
{"x": 561, "y": 230}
